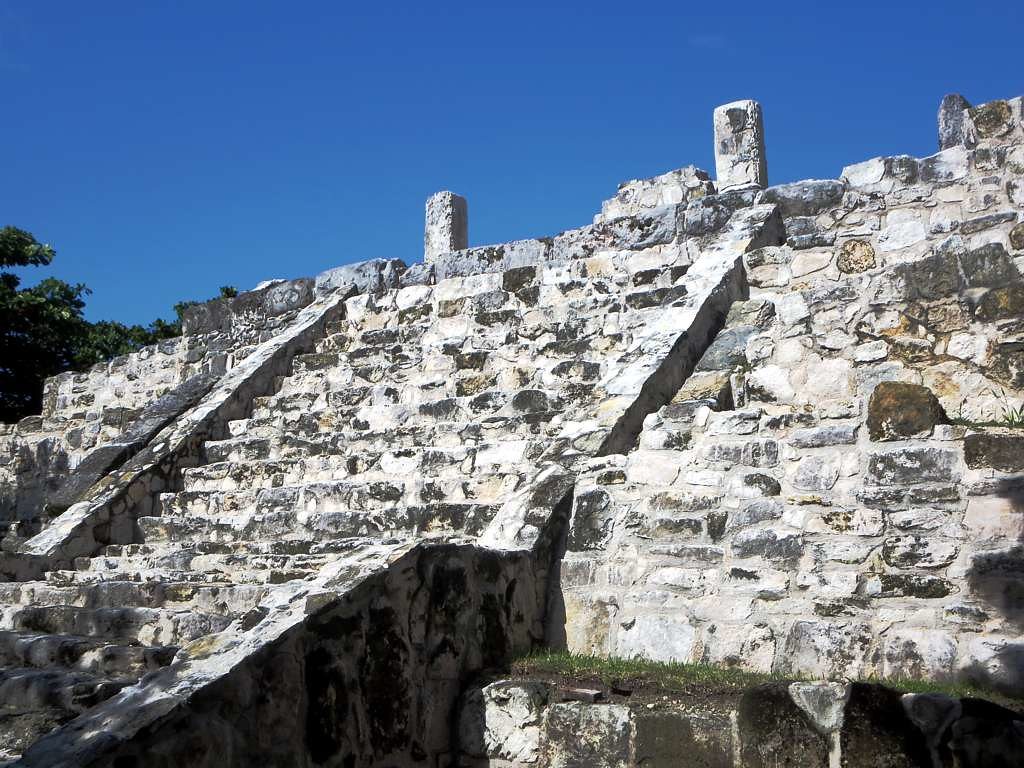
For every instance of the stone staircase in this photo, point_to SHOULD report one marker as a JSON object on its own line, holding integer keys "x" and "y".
{"x": 416, "y": 416}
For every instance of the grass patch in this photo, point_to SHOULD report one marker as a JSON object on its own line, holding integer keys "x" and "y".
{"x": 1012, "y": 416}
{"x": 612, "y": 671}
{"x": 675, "y": 676}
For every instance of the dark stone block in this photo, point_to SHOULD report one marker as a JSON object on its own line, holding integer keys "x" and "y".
{"x": 591, "y": 521}
{"x": 728, "y": 350}
{"x": 980, "y": 223}
{"x": 992, "y": 119}
{"x": 999, "y": 450}
{"x": 1001, "y": 303}
{"x": 804, "y": 198}
{"x": 935, "y": 277}
{"x": 989, "y": 266}
{"x": 898, "y": 410}
{"x": 774, "y": 732}
{"x": 518, "y": 278}
{"x": 913, "y": 585}
{"x": 877, "y": 733}
{"x": 669, "y": 739}
{"x": 953, "y": 124}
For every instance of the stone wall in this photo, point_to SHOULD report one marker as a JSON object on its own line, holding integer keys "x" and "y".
{"x": 769, "y": 402}
{"x": 368, "y": 673}
{"x": 519, "y": 723}
{"x": 827, "y": 494}
{"x": 88, "y": 410}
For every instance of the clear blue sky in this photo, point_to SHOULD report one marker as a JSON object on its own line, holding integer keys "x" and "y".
{"x": 166, "y": 148}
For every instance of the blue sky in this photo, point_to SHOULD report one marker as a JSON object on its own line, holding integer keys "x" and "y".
{"x": 167, "y": 148}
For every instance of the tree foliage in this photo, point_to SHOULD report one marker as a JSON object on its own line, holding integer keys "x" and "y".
{"x": 43, "y": 331}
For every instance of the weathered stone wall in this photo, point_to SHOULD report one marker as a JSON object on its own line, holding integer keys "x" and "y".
{"x": 95, "y": 408}
{"x": 823, "y": 496}
{"x": 790, "y": 492}
{"x": 366, "y": 674}
{"x": 514, "y": 724}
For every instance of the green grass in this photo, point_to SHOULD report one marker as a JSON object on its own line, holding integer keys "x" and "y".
{"x": 1012, "y": 416}
{"x": 668, "y": 675}
{"x": 678, "y": 676}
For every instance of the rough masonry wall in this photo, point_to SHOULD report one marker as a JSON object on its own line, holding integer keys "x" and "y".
{"x": 84, "y": 411}
{"x": 824, "y": 496}
{"x": 519, "y": 723}
{"x": 366, "y": 673}
{"x": 790, "y": 493}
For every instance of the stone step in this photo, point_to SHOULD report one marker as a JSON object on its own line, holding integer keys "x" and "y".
{"x": 447, "y": 517}
{"x": 55, "y": 694}
{"x": 107, "y": 592}
{"x": 204, "y": 570}
{"x": 81, "y": 654}
{"x": 150, "y": 626}
{"x": 238, "y": 488}
{"x": 313, "y": 438}
{"x": 265, "y": 473}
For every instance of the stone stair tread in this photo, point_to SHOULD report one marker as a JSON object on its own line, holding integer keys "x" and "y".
{"x": 89, "y": 655}
{"x": 117, "y": 624}
{"x": 347, "y": 523}
{"x": 24, "y": 690}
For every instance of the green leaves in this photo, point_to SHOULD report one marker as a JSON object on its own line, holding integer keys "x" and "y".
{"x": 19, "y": 248}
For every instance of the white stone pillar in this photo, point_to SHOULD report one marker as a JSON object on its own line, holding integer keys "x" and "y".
{"x": 447, "y": 225}
{"x": 740, "y": 160}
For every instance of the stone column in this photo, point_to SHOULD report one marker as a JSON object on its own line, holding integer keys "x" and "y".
{"x": 955, "y": 128}
{"x": 447, "y": 225}
{"x": 739, "y": 146}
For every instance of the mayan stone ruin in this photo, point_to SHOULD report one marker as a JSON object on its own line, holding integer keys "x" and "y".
{"x": 728, "y": 423}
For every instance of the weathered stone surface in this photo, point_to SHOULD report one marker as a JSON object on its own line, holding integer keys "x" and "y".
{"x": 447, "y": 225}
{"x": 805, "y": 198}
{"x": 578, "y": 734}
{"x": 955, "y": 129}
{"x": 365, "y": 276}
{"x": 1002, "y": 450}
{"x": 919, "y": 464}
{"x": 773, "y": 729}
{"x": 992, "y": 119}
{"x": 740, "y": 159}
{"x": 898, "y": 410}
{"x": 608, "y": 391}
{"x": 502, "y": 721}
{"x": 855, "y": 256}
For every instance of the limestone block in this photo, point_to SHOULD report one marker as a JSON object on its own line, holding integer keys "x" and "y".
{"x": 774, "y": 544}
{"x": 918, "y": 653}
{"x": 672, "y": 188}
{"x": 913, "y": 464}
{"x": 740, "y": 159}
{"x": 502, "y": 721}
{"x": 912, "y": 551}
{"x": 829, "y": 650}
{"x": 816, "y": 473}
{"x": 577, "y": 734}
{"x": 804, "y": 198}
{"x": 824, "y": 703}
{"x": 447, "y": 225}
{"x": 659, "y": 638}
{"x": 955, "y": 126}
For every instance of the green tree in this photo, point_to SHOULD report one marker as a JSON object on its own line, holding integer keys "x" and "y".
{"x": 41, "y": 327}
